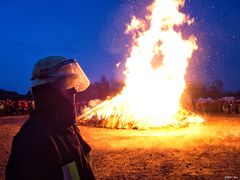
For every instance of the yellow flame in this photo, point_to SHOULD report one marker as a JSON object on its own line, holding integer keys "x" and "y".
{"x": 154, "y": 71}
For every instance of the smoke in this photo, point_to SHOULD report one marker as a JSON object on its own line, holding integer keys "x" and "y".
{"x": 90, "y": 105}
{"x": 113, "y": 39}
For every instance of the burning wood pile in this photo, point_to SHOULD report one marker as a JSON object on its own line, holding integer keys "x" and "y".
{"x": 154, "y": 74}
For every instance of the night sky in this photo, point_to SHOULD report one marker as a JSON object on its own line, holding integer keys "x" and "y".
{"x": 92, "y": 32}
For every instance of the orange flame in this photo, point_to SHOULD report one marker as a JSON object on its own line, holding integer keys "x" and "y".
{"x": 154, "y": 71}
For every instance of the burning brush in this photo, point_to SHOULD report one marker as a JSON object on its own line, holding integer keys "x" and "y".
{"x": 154, "y": 74}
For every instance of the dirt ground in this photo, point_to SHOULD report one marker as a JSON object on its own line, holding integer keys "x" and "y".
{"x": 207, "y": 151}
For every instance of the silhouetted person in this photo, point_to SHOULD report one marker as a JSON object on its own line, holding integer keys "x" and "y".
{"x": 49, "y": 145}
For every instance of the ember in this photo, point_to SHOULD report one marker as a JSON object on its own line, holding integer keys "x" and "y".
{"x": 154, "y": 74}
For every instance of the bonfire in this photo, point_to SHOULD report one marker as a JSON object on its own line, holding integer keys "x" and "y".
{"x": 154, "y": 73}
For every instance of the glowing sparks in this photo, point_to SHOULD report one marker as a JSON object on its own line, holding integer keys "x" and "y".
{"x": 154, "y": 72}
{"x": 118, "y": 64}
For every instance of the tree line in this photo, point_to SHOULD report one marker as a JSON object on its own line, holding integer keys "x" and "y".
{"x": 105, "y": 87}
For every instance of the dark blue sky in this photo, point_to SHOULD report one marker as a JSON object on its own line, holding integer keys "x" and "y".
{"x": 92, "y": 32}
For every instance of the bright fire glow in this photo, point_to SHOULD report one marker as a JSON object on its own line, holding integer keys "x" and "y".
{"x": 154, "y": 72}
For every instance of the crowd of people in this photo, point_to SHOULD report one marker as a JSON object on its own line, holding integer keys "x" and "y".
{"x": 227, "y": 105}
{"x": 10, "y": 107}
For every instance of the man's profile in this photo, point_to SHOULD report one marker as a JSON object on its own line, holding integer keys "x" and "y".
{"x": 49, "y": 144}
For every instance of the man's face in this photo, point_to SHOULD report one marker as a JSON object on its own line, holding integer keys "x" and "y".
{"x": 70, "y": 94}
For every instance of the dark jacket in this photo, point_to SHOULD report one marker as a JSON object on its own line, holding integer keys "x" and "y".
{"x": 49, "y": 146}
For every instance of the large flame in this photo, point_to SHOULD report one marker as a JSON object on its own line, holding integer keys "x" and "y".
{"x": 154, "y": 72}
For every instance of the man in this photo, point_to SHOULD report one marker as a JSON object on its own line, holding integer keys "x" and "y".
{"x": 49, "y": 145}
